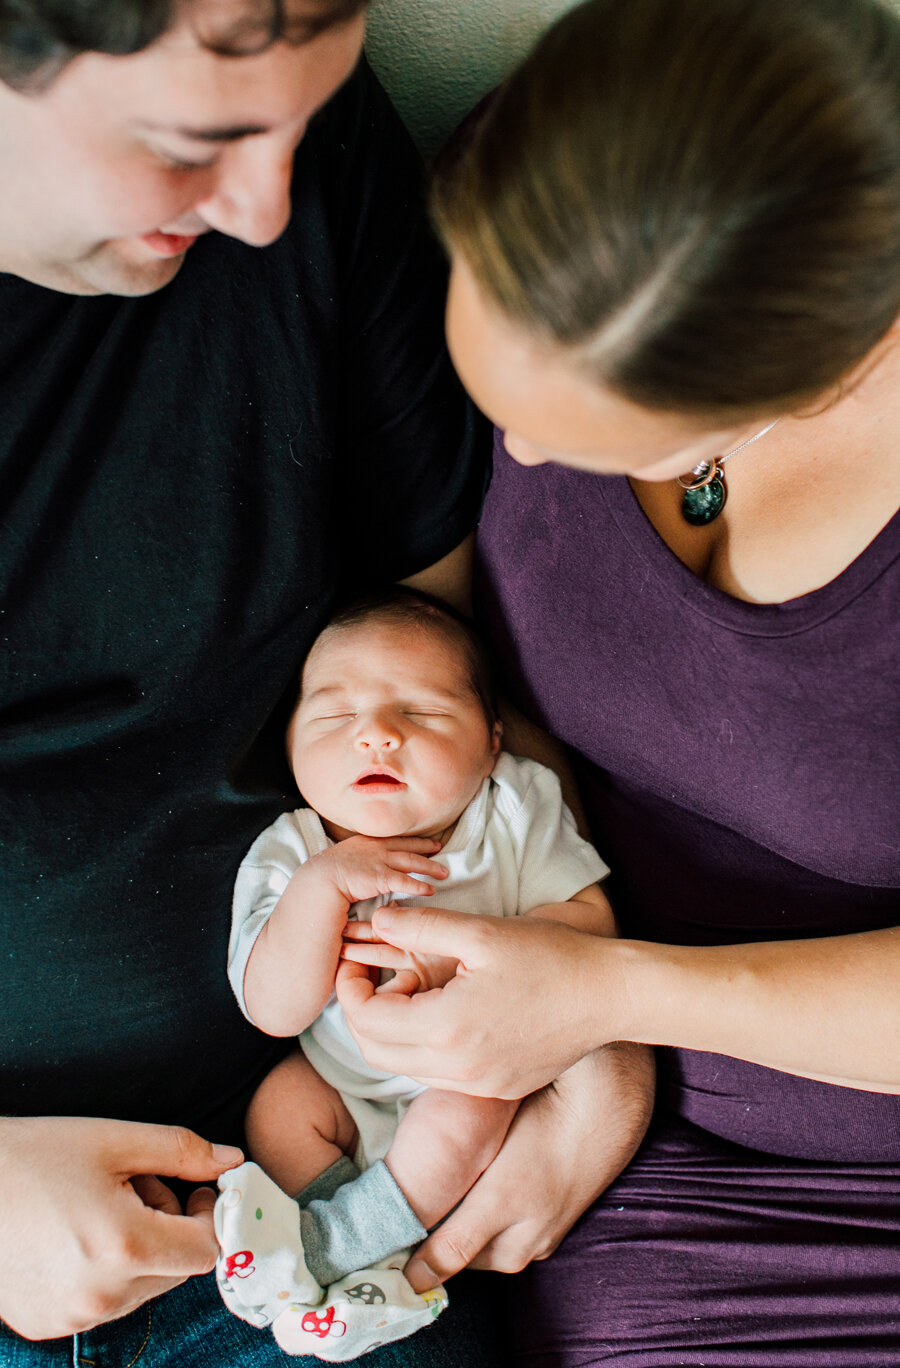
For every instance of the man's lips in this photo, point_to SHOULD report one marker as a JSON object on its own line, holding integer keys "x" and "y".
{"x": 169, "y": 244}
{"x": 378, "y": 781}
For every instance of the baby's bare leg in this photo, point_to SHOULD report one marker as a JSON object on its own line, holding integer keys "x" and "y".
{"x": 299, "y": 1131}
{"x": 297, "y": 1125}
{"x": 443, "y": 1144}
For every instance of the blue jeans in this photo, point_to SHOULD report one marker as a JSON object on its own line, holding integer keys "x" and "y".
{"x": 190, "y": 1328}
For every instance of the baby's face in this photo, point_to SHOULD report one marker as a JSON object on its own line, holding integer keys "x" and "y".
{"x": 389, "y": 737}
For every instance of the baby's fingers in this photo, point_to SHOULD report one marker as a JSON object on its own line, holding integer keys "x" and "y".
{"x": 410, "y": 863}
{"x": 406, "y": 885}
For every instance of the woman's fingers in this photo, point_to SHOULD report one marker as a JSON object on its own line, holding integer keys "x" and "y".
{"x": 356, "y": 994}
{"x": 353, "y": 983}
{"x": 484, "y": 1231}
{"x": 404, "y": 981}
{"x": 362, "y": 932}
{"x": 202, "y": 1202}
{"x": 432, "y": 930}
{"x": 375, "y": 953}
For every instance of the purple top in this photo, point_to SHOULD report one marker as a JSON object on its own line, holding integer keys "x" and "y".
{"x": 739, "y": 760}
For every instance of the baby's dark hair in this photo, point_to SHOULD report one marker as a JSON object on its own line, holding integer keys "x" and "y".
{"x": 398, "y": 606}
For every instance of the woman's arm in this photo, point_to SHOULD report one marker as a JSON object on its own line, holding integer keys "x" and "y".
{"x": 826, "y": 1009}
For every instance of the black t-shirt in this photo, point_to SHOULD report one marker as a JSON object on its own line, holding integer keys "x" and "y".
{"x": 187, "y": 481}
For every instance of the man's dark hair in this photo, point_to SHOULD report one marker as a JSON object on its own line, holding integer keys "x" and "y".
{"x": 398, "y": 606}
{"x": 38, "y": 37}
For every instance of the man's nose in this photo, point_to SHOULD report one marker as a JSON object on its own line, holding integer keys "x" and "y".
{"x": 251, "y": 199}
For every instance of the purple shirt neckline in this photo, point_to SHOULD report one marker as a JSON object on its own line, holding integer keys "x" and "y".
{"x": 754, "y": 619}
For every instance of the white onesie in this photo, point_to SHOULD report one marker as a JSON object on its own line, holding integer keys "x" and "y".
{"x": 513, "y": 849}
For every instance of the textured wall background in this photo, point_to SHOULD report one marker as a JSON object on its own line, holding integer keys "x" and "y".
{"x": 436, "y": 57}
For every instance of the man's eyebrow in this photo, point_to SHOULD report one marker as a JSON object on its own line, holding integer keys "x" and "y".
{"x": 225, "y": 133}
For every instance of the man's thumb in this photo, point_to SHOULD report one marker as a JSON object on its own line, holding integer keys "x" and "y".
{"x": 174, "y": 1152}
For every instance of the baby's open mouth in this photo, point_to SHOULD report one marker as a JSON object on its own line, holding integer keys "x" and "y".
{"x": 380, "y": 780}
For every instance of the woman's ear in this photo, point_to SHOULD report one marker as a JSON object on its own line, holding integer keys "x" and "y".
{"x": 854, "y": 378}
{"x": 871, "y": 361}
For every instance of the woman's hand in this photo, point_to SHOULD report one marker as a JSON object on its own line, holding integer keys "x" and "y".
{"x": 824, "y": 1008}
{"x": 566, "y": 1145}
{"x": 413, "y": 973}
{"x": 92, "y": 1232}
{"x": 529, "y": 998}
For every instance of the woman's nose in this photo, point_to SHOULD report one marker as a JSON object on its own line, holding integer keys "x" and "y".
{"x": 522, "y": 451}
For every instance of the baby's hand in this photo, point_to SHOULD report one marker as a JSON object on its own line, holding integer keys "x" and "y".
{"x": 369, "y": 866}
{"x": 413, "y": 973}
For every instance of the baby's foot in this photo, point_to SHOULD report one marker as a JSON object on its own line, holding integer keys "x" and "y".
{"x": 261, "y": 1268}
{"x": 359, "y": 1313}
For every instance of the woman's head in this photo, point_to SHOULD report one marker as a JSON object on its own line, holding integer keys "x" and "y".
{"x": 694, "y": 203}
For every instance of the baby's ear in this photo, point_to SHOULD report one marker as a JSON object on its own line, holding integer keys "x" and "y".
{"x": 496, "y": 735}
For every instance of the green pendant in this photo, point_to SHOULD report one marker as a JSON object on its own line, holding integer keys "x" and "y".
{"x": 703, "y": 505}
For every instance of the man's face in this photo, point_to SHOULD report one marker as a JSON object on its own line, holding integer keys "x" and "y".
{"x": 111, "y": 173}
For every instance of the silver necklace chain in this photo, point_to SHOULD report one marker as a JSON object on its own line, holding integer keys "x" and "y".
{"x": 704, "y": 466}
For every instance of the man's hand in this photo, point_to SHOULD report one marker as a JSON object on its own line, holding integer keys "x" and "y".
{"x": 565, "y": 1146}
{"x": 413, "y": 973}
{"x": 370, "y": 866}
{"x": 94, "y": 1233}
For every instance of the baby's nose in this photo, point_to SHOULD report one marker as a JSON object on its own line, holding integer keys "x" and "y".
{"x": 378, "y": 733}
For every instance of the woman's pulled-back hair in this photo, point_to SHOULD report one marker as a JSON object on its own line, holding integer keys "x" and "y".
{"x": 700, "y": 199}
{"x": 38, "y": 37}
